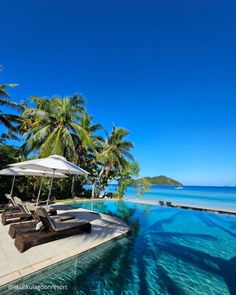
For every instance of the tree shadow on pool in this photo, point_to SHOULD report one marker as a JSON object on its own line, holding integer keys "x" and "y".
{"x": 230, "y": 221}
{"x": 128, "y": 215}
{"x": 155, "y": 239}
{"x": 107, "y": 271}
{"x": 116, "y": 268}
{"x": 217, "y": 266}
{"x": 212, "y": 223}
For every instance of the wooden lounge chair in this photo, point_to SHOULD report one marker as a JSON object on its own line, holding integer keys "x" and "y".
{"x": 31, "y": 226}
{"x": 10, "y": 205}
{"x": 51, "y": 231}
{"x": 22, "y": 215}
{"x": 25, "y": 226}
{"x": 2, "y": 207}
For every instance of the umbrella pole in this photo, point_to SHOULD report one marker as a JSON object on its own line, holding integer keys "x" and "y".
{"x": 12, "y": 186}
{"x": 50, "y": 190}
{"x": 72, "y": 186}
{"x": 40, "y": 188}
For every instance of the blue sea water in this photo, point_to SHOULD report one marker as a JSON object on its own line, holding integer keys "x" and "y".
{"x": 207, "y": 196}
{"x": 169, "y": 251}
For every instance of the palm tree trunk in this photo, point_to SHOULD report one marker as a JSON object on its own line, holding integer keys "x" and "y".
{"x": 96, "y": 182}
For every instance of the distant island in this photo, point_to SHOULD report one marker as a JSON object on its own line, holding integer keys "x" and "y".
{"x": 161, "y": 180}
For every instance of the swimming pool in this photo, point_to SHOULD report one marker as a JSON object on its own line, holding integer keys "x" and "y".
{"x": 170, "y": 251}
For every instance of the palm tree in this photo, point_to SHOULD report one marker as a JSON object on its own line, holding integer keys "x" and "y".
{"x": 86, "y": 123}
{"x": 83, "y": 148}
{"x": 52, "y": 125}
{"x": 8, "y": 120}
{"x": 115, "y": 154}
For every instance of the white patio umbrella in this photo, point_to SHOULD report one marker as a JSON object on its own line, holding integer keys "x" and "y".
{"x": 15, "y": 171}
{"x": 54, "y": 164}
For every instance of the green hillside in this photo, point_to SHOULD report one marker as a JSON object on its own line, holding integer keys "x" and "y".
{"x": 162, "y": 180}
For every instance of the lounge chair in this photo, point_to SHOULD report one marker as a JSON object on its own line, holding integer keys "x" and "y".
{"x": 12, "y": 216}
{"x": 161, "y": 203}
{"x": 101, "y": 196}
{"x": 2, "y": 207}
{"x": 25, "y": 226}
{"x": 109, "y": 195}
{"x": 10, "y": 206}
{"x": 52, "y": 230}
{"x": 168, "y": 204}
{"x": 33, "y": 226}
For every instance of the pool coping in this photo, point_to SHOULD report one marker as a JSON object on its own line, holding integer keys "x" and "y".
{"x": 173, "y": 205}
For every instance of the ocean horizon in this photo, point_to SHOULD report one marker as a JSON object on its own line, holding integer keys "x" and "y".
{"x": 220, "y": 197}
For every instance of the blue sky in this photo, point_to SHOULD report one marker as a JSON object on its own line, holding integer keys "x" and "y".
{"x": 163, "y": 69}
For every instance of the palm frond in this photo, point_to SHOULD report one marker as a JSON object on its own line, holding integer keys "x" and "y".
{"x": 3, "y": 89}
{"x": 67, "y": 138}
{"x": 82, "y": 134}
{"x": 6, "y": 122}
{"x": 49, "y": 144}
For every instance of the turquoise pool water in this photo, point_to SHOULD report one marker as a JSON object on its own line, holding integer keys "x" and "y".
{"x": 170, "y": 251}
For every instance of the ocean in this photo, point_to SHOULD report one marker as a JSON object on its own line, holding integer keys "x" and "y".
{"x": 208, "y": 196}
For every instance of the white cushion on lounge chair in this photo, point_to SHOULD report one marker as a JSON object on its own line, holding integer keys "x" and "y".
{"x": 39, "y": 225}
{"x": 57, "y": 226}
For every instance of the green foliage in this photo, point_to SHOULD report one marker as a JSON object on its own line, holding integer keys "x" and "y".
{"x": 126, "y": 178}
{"x": 143, "y": 186}
{"x": 9, "y": 155}
{"x": 161, "y": 180}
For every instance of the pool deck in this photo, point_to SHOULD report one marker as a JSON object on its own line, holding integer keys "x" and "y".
{"x": 15, "y": 265}
{"x": 182, "y": 206}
